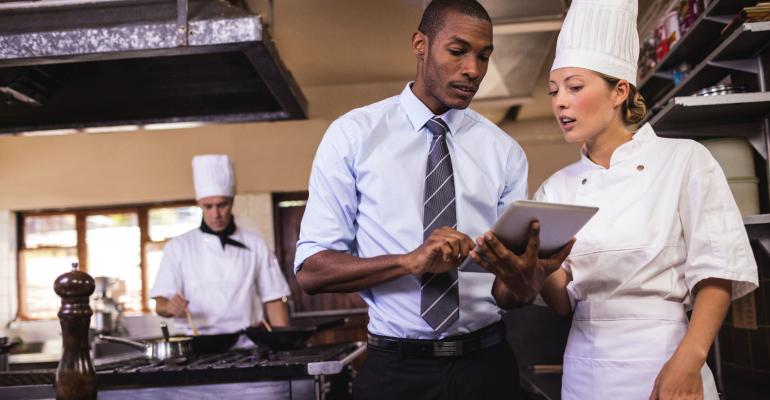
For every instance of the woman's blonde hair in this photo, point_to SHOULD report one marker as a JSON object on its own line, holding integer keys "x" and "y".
{"x": 634, "y": 108}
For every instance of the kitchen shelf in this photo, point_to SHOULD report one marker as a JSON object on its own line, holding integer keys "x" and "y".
{"x": 695, "y": 44}
{"x": 710, "y": 110}
{"x": 734, "y": 53}
{"x": 727, "y": 7}
{"x": 692, "y": 47}
{"x": 759, "y": 219}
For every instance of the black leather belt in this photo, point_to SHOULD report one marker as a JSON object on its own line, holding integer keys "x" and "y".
{"x": 449, "y": 347}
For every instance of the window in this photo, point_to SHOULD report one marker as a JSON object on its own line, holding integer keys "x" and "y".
{"x": 123, "y": 244}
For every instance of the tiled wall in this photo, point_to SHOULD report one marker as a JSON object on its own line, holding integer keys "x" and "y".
{"x": 255, "y": 211}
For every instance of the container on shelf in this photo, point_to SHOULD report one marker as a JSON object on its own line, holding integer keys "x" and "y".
{"x": 719, "y": 90}
{"x": 733, "y": 154}
{"x": 746, "y": 193}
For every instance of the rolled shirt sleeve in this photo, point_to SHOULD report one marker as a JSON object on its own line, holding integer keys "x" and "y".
{"x": 329, "y": 220}
{"x": 716, "y": 241}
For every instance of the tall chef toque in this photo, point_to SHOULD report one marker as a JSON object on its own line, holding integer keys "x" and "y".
{"x": 600, "y": 35}
{"x": 213, "y": 176}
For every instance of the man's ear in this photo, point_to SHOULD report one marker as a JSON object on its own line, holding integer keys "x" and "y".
{"x": 419, "y": 44}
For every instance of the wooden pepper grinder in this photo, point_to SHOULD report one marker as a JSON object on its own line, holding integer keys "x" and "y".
{"x": 75, "y": 376}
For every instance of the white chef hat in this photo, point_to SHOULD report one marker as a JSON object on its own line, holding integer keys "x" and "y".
{"x": 600, "y": 35}
{"x": 213, "y": 176}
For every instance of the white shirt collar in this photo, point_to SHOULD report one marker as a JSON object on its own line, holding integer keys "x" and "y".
{"x": 644, "y": 135}
{"x": 419, "y": 113}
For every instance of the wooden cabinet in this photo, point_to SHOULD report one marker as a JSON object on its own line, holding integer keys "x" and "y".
{"x": 288, "y": 209}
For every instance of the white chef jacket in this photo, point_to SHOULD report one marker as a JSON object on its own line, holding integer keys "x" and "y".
{"x": 666, "y": 221}
{"x": 225, "y": 287}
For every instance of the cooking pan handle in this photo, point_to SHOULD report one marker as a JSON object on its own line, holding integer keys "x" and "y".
{"x": 332, "y": 324}
{"x": 127, "y": 342}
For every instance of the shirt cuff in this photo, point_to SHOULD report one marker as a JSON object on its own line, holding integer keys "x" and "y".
{"x": 304, "y": 252}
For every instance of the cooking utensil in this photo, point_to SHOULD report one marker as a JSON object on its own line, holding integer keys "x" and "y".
{"x": 719, "y": 90}
{"x": 267, "y": 326}
{"x": 192, "y": 324}
{"x": 288, "y": 338}
{"x": 169, "y": 349}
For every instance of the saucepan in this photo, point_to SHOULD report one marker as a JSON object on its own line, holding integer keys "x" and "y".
{"x": 169, "y": 349}
{"x": 290, "y": 337}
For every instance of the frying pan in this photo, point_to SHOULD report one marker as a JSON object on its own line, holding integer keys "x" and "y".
{"x": 290, "y": 337}
{"x": 170, "y": 350}
{"x": 214, "y": 344}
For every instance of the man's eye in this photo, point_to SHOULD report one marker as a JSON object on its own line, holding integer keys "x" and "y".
{"x": 456, "y": 52}
{"x": 552, "y": 92}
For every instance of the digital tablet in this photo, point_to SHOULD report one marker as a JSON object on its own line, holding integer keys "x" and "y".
{"x": 558, "y": 224}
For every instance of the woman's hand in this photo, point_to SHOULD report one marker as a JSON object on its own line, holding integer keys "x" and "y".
{"x": 680, "y": 378}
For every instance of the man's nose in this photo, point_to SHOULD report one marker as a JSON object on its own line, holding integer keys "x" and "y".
{"x": 472, "y": 68}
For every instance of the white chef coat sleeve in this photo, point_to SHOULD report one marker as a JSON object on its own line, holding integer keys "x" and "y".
{"x": 270, "y": 280}
{"x": 168, "y": 281}
{"x": 330, "y": 212}
{"x": 716, "y": 241}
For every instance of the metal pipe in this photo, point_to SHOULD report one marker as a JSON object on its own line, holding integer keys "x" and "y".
{"x": 34, "y": 4}
{"x": 182, "y": 28}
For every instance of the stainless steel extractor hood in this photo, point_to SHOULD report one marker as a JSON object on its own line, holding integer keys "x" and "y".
{"x": 87, "y": 63}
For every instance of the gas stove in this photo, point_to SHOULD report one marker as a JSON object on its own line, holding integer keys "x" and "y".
{"x": 310, "y": 373}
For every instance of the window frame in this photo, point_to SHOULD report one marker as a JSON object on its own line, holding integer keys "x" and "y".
{"x": 142, "y": 212}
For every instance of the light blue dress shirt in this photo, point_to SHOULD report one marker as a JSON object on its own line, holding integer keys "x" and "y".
{"x": 366, "y": 198}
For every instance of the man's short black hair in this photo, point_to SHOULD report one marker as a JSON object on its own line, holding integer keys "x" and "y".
{"x": 433, "y": 18}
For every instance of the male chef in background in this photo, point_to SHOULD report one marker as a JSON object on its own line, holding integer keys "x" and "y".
{"x": 224, "y": 276}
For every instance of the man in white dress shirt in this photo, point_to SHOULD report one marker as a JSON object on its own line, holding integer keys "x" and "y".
{"x": 396, "y": 190}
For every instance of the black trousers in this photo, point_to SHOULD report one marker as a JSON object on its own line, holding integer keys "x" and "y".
{"x": 490, "y": 373}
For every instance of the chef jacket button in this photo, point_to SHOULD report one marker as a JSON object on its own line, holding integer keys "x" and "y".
{"x": 585, "y": 180}
{"x": 640, "y": 167}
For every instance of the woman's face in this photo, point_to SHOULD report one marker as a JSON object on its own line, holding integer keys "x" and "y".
{"x": 582, "y": 102}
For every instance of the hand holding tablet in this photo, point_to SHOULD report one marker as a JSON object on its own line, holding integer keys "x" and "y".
{"x": 559, "y": 223}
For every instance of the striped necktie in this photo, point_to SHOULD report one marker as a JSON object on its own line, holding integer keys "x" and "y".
{"x": 439, "y": 294}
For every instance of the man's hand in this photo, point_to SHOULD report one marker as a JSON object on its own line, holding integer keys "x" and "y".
{"x": 443, "y": 250}
{"x": 173, "y": 307}
{"x": 523, "y": 274}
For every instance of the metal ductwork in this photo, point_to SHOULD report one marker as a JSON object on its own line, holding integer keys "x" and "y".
{"x": 88, "y": 63}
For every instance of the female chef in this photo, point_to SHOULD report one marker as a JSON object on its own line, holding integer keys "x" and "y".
{"x": 668, "y": 236}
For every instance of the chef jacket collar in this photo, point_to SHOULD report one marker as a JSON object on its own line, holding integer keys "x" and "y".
{"x": 224, "y": 235}
{"x": 625, "y": 151}
{"x": 419, "y": 114}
